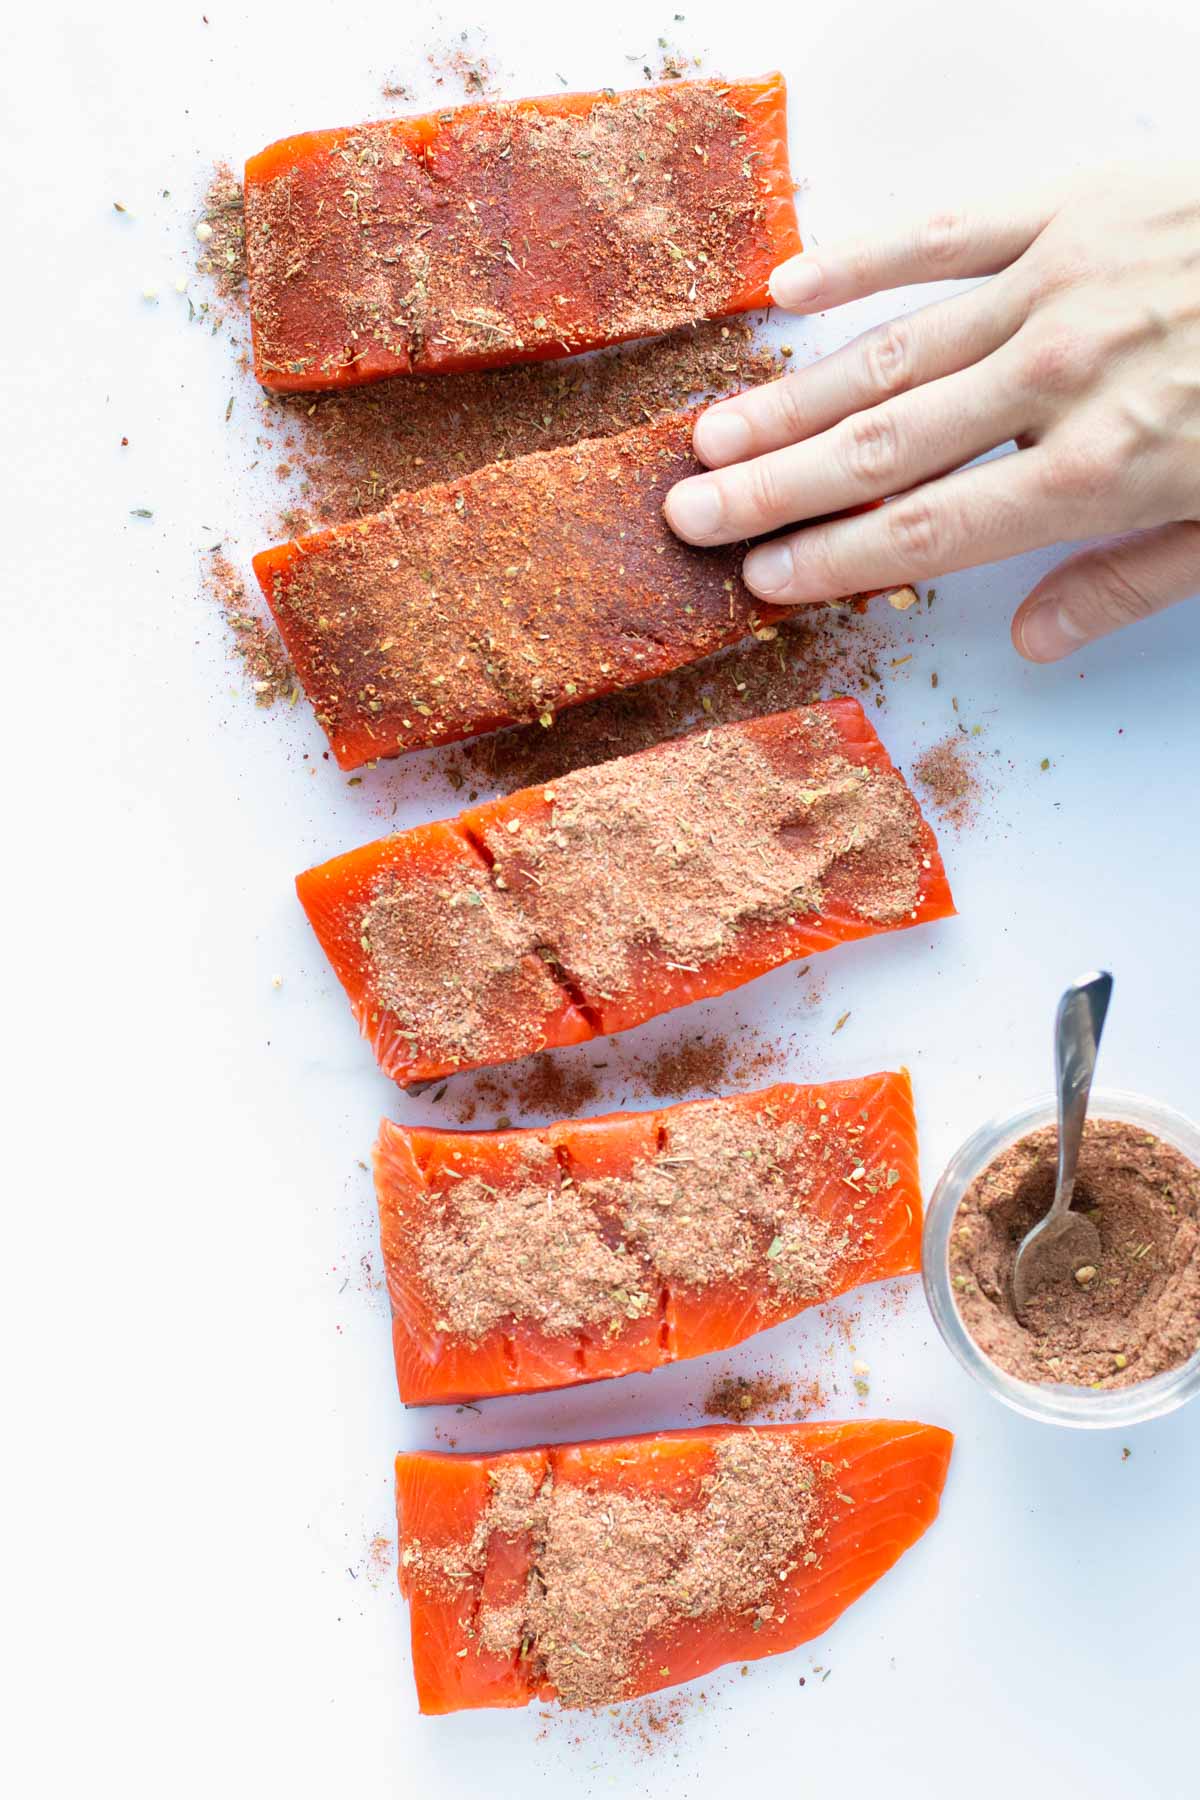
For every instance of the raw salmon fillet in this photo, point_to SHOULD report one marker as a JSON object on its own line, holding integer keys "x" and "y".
{"x": 528, "y": 586}
{"x": 513, "y": 231}
{"x": 624, "y": 890}
{"x": 806, "y": 1192}
{"x": 875, "y": 1488}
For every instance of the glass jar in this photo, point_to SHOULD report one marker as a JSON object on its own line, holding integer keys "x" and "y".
{"x": 1055, "y": 1402}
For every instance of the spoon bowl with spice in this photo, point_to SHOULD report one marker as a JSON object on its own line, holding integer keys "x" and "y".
{"x": 1066, "y": 1236}
{"x": 1114, "y": 1349}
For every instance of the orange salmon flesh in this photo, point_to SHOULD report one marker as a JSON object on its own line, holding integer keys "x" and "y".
{"x": 856, "y": 1167}
{"x": 535, "y": 1004}
{"x": 513, "y": 231}
{"x": 889, "y": 1476}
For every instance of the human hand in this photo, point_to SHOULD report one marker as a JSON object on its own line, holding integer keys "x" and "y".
{"x": 1084, "y": 348}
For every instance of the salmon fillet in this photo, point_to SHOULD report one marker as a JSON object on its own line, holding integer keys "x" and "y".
{"x": 870, "y": 1490}
{"x": 530, "y": 1259}
{"x": 624, "y": 890}
{"x": 513, "y": 231}
{"x": 523, "y": 588}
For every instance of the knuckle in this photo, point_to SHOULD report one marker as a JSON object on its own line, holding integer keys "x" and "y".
{"x": 1152, "y": 324}
{"x": 887, "y": 359}
{"x": 1062, "y": 265}
{"x": 859, "y": 257}
{"x": 789, "y": 407}
{"x": 758, "y": 495}
{"x": 870, "y": 450}
{"x": 1059, "y": 360}
{"x": 1084, "y": 468}
{"x": 942, "y": 238}
{"x": 1112, "y": 598}
{"x": 914, "y": 530}
{"x": 816, "y": 564}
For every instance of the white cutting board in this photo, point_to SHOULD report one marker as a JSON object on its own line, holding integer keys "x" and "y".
{"x": 203, "y": 1401}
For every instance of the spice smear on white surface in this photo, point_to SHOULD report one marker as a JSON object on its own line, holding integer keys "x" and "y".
{"x": 256, "y": 643}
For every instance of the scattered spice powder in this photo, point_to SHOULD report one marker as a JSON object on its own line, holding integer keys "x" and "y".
{"x": 652, "y": 1724}
{"x": 381, "y": 1552}
{"x": 736, "y": 1397}
{"x": 256, "y": 643}
{"x": 948, "y": 777}
{"x": 704, "y": 1063}
{"x": 806, "y": 659}
{"x": 471, "y": 69}
{"x": 558, "y": 1087}
{"x": 1138, "y": 1313}
{"x": 221, "y": 233}
{"x": 550, "y": 1087}
{"x": 669, "y": 63}
{"x": 360, "y": 448}
{"x": 813, "y": 995}
{"x": 611, "y": 1571}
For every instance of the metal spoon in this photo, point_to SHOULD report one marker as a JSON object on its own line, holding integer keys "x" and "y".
{"x": 1065, "y": 1238}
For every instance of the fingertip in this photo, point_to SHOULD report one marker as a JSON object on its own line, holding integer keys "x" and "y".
{"x": 669, "y": 511}
{"x": 721, "y": 435}
{"x": 1037, "y": 632}
{"x": 795, "y": 284}
{"x": 768, "y": 570}
{"x": 693, "y": 509}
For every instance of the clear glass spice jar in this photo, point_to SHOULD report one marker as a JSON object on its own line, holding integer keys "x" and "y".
{"x": 1055, "y": 1402}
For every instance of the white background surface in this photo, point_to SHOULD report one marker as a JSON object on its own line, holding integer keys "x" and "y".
{"x": 201, "y": 1409}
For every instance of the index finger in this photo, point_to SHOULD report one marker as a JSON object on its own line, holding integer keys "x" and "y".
{"x": 888, "y": 360}
{"x": 947, "y": 246}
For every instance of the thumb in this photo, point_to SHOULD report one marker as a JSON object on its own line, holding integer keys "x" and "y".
{"x": 1100, "y": 590}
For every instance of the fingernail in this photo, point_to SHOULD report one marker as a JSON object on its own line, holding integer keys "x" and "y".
{"x": 721, "y": 437}
{"x": 795, "y": 283}
{"x": 693, "y": 508}
{"x": 1046, "y": 633}
{"x": 768, "y": 568}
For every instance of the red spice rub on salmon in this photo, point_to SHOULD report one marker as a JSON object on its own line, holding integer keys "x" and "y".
{"x": 512, "y": 231}
{"x": 520, "y": 1260}
{"x": 525, "y": 587}
{"x": 593, "y": 1573}
{"x": 624, "y": 890}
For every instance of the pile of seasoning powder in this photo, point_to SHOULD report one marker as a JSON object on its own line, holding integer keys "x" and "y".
{"x": 1135, "y": 1311}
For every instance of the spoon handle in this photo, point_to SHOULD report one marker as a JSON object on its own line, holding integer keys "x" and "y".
{"x": 1077, "y": 1028}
